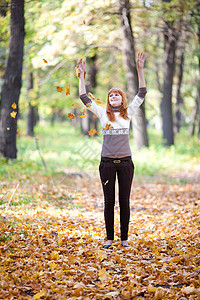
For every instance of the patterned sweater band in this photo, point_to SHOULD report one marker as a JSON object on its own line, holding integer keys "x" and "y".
{"x": 142, "y": 92}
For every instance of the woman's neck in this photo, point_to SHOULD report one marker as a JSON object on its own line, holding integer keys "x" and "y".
{"x": 116, "y": 108}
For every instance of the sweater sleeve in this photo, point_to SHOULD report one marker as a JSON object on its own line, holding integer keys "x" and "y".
{"x": 92, "y": 106}
{"x": 137, "y": 101}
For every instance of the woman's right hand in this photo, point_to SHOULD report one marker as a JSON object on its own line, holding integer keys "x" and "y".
{"x": 81, "y": 66}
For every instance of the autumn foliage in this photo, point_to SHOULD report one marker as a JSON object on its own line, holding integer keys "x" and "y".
{"x": 52, "y": 236}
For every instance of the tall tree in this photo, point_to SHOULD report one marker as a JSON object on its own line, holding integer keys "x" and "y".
{"x": 179, "y": 99}
{"x": 171, "y": 35}
{"x": 128, "y": 50}
{"x": 12, "y": 81}
{"x": 32, "y": 116}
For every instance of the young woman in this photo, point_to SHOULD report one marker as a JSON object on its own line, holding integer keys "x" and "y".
{"x": 116, "y": 152}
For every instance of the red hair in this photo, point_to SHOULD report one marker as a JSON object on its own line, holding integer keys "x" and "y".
{"x": 123, "y": 108}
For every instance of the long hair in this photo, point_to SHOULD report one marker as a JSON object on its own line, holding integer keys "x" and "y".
{"x": 123, "y": 108}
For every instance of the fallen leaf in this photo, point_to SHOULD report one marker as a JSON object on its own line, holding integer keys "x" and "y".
{"x": 39, "y": 295}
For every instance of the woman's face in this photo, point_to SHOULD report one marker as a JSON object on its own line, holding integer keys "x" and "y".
{"x": 115, "y": 99}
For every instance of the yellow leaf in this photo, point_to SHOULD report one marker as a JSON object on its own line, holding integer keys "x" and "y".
{"x": 53, "y": 266}
{"x": 78, "y": 72}
{"x": 14, "y": 106}
{"x": 103, "y": 275}
{"x": 82, "y": 116}
{"x": 67, "y": 89}
{"x": 54, "y": 255}
{"x": 151, "y": 289}
{"x": 39, "y": 295}
{"x": 13, "y": 114}
{"x": 79, "y": 289}
{"x": 89, "y": 104}
{"x": 8, "y": 128}
{"x": 60, "y": 242}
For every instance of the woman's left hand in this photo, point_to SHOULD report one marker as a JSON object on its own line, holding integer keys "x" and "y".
{"x": 140, "y": 61}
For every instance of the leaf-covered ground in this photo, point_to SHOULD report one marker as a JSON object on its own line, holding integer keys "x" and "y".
{"x": 52, "y": 232}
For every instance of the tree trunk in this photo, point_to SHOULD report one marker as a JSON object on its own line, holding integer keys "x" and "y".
{"x": 12, "y": 82}
{"x": 194, "y": 117}
{"x": 91, "y": 120}
{"x": 170, "y": 43}
{"x": 179, "y": 99}
{"x": 32, "y": 110}
{"x": 198, "y": 88}
{"x": 128, "y": 51}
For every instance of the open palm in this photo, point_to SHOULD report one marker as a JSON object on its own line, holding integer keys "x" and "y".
{"x": 140, "y": 61}
{"x": 81, "y": 65}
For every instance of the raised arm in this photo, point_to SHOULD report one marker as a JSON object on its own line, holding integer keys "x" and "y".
{"x": 91, "y": 105}
{"x": 142, "y": 83}
{"x": 82, "y": 89}
{"x": 139, "y": 98}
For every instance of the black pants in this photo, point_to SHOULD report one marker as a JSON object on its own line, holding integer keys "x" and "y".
{"x": 124, "y": 168}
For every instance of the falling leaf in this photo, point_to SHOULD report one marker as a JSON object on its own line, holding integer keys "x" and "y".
{"x": 83, "y": 116}
{"x": 93, "y": 131}
{"x": 59, "y": 89}
{"x": 74, "y": 105}
{"x": 45, "y": 61}
{"x": 13, "y": 114}
{"x": 78, "y": 72}
{"x": 89, "y": 104}
{"x": 67, "y": 89}
{"x": 94, "y": 98}
{"x": 84, "y": 22}
{"x": 8, "y": 128}
{"x": 37, "y": 139}
{"x": 14, "y": 106}
{"x": 98, "y": 101}
{"x": 107, "y": 127}
{"x": 71, "y": 116}
{"x": 83, "y": 111}
{"x": 18, "y": 130}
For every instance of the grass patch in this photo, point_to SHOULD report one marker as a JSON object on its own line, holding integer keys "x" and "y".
{"x": 61, "y": 146}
